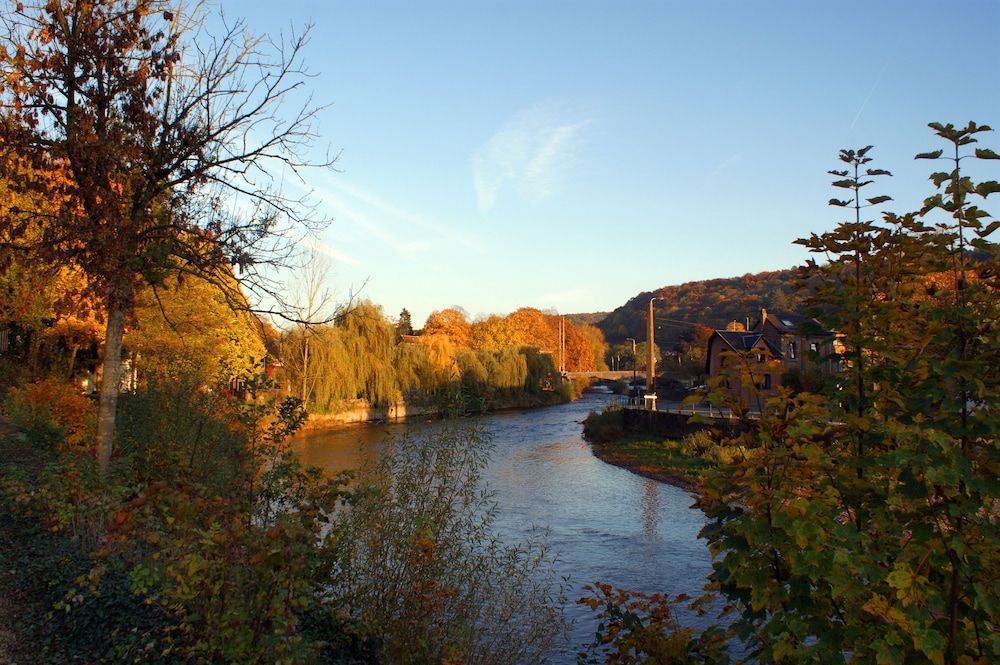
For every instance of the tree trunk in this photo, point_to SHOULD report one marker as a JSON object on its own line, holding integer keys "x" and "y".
{"x": 72, "y": 363}
{"x": 305, "y": 366}
{"x": 34, "y": 349}
{"x": 111, "y": 372}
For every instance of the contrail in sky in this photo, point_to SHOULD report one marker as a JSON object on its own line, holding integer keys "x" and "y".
{"x": 870, "y": 93}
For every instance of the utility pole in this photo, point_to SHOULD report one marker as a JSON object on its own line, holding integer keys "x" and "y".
{"x": 562, "y": 345}
{"x": 650, "y": 360}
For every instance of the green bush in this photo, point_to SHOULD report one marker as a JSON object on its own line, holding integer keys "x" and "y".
{"x": 606, "y": 426}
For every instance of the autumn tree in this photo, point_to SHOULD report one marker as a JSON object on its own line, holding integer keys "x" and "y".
{"x": 189, "y": 323}
{"x": 863, "y": 520}
{"x": 452, "y": 323}
{"x": 532, "y": 327}
{"x": 596, "y": 342}
{"x": 692, "y": 349}
{"x": 171, "y": 140}
{"x": 491, "y": 333}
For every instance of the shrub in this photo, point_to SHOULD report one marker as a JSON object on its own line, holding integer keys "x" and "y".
{"x": 705, "y": 444}
{"x": 606, "y": 426}
{"x": 421, "y": 571}
{"x": 636, "y": 627}
{"x": 52, "y": 411}
{"x": 229, "y": 550}
{"x": 207, "y": 521}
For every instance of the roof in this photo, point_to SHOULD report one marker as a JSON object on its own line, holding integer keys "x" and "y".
{"x": 741, "y": 340}
{"x": 793, "y": 324}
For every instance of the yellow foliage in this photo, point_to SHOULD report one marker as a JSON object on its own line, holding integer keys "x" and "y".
{"x": 191, "y": 322}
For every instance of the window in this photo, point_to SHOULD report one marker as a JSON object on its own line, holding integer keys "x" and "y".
{"x": 813, "y": 346}
{"x": 791, "y": 350}
{"x": 765, "y": 384}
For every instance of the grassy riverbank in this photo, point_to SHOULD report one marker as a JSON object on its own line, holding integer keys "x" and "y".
{"x": 680, "y": 462}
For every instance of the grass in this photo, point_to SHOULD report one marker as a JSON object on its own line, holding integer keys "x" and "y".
{"x": 660, "y": 459}
{"x": 680, "y": 462}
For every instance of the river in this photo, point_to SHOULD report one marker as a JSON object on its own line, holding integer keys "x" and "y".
{"x": 605, "y": 523}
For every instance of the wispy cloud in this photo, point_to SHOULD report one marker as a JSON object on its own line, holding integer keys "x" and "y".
{"x": 532, "y": 153}
{"x": 389, "y": 211}
{"x": 719, "y": 169}
{"x": 406, "y": 232}
{"x": 325, "y": 248}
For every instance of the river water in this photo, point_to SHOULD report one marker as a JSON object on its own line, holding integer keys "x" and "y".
{"x": 605, "y": 523}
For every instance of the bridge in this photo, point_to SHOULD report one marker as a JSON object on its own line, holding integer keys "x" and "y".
{"x": 603, "y": 376}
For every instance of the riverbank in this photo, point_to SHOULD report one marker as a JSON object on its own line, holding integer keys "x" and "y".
{"x": 649, "y": 459}
{"x": 360, "y": 412}
{"x": 675, "y": 461}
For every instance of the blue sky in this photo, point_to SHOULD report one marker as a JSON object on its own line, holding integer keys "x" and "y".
{"x": 568, "y": 155}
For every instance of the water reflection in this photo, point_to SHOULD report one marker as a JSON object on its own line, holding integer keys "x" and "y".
{"x": 605, "y": 523}
{"x": 650, "y": 507}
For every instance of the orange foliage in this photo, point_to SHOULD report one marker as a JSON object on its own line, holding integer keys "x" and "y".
{"x": 53, "y": 403}
{"x": 531, "y": 327}
{"x": 452, "y": 323}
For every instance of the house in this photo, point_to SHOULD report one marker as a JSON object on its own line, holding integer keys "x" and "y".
{"x": 774, "y": 345}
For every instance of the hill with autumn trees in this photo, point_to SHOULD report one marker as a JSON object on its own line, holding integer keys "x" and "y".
{"x": 711, "y": 302}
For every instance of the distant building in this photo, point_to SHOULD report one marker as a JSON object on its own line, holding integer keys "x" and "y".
{"x": 774, "y": 344}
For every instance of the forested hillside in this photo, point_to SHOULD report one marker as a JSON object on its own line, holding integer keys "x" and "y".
{"x": 713, "y": 303}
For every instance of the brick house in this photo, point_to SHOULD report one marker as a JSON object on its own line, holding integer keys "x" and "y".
{"x": 774, "y": 345}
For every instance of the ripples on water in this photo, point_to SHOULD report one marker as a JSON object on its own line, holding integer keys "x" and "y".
{"x": 604, "y": 523}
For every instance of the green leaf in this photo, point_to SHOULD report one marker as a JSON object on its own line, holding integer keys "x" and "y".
{"x": 930, "y": 203}
{"x": 984, "y": 189}
{"x": 877, "y": 172}
{"x": 929, "y": 155}
{"x": 993, "y": 226}
{"x": 939, "y": 177}
{"x": 875, "y": 200}
{"x": 838, "y": 202}
{"x": 986, "y": 153}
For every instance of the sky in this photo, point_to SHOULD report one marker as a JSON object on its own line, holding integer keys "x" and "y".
{"x": 569, "y": 155}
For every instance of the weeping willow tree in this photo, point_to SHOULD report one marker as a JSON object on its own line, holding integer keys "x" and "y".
{"x": 354, "y": 358}
{"x": 359, "y": 356}
{"x": 471, "y": 368}
{"x": 507, "y": 369}
{"x": 413, "y": 369}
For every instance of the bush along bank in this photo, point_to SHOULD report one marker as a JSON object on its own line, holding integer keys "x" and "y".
{"x": 459, "y": 401}
{"x": 206, "y": 541}
{"x": 672, "y": 448}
